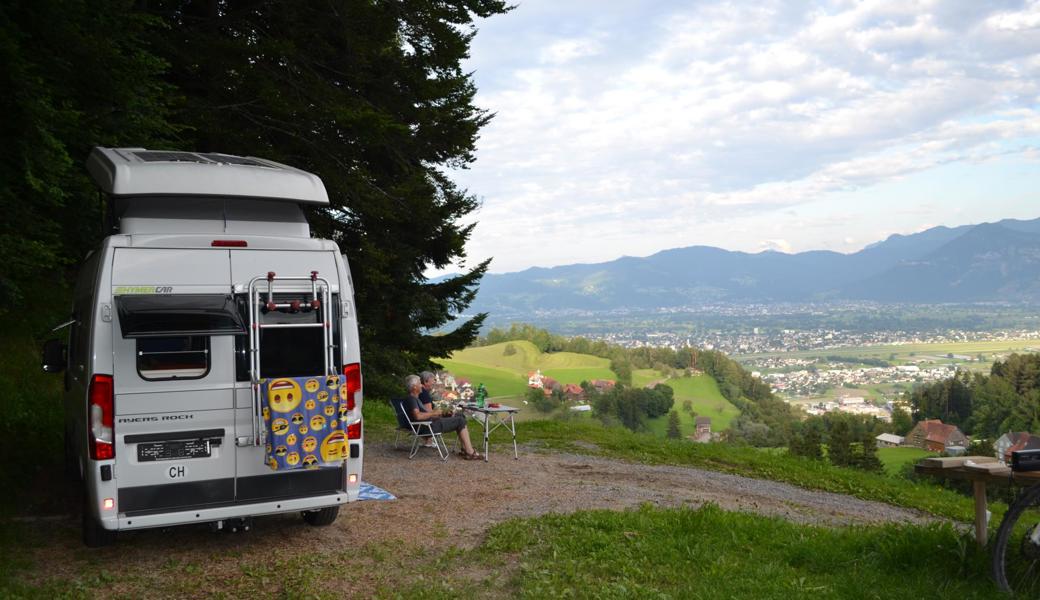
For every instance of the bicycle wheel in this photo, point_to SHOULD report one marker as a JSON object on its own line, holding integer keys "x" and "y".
{"x": 1016, "y": 551}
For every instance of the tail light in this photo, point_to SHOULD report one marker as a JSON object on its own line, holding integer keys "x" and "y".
{"x": 354, "y": 431}
{"x": 352, "y": 373}
{"x": 100, "y": 414}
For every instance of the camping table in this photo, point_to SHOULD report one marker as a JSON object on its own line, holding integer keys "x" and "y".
{"x": 503, "y": 416}
{"x": 979, "y": 470}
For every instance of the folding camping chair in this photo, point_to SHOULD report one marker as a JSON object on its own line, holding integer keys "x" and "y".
{"x": 419, "y": 430}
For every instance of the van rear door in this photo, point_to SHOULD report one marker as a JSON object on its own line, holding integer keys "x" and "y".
{"x": 173, "y": 344}
{"x": 284, "y": 353}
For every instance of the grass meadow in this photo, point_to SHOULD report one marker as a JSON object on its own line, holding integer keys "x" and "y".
{"x": 708, "y": 552}
{"x": 703, "y": 393}
{"x": 895, "y": 460}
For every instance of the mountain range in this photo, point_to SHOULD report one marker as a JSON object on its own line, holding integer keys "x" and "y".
{"x": 989, "y": 262}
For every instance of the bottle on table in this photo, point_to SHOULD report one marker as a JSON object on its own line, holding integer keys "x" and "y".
{"x": 481, "y": 395}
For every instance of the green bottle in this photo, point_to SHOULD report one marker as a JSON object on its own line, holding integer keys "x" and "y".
{"x": 481, "y": 394}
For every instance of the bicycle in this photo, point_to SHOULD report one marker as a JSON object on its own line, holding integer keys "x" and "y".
{"x": 1015, "y": 561}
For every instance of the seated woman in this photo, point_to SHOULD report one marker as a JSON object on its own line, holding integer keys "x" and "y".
{"x": 456, "y": 423}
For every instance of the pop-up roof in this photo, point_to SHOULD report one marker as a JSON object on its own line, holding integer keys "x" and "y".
{"x": 124, "y": 172}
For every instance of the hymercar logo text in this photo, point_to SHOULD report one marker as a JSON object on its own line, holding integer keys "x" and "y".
{"x": 142, "y": 289}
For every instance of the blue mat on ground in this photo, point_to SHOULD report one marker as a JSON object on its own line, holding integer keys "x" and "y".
{"x": 371, "y": 492}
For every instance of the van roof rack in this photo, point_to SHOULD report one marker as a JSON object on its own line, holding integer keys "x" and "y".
{"x": 139, "y": 172}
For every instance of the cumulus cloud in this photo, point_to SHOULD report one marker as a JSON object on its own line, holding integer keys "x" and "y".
{"x": 625, "y": 131}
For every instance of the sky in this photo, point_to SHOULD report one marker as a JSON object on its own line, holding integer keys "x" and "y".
{"x": 626, "y": 128}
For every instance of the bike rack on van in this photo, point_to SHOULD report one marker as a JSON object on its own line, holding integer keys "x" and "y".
{"x": 321, "y": 300}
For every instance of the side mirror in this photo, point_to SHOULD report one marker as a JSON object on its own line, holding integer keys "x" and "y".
{"x": 55, "y": 356}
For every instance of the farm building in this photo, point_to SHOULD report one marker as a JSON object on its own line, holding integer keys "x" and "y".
{"x": 1014, "y": 440}
{"x": 889, "y": 440}
{"x": 936, "y": 436}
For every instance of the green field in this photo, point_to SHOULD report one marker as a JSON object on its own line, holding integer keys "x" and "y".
{"x": 644, "y": 377}
{"x": 577, "y": 375}
{"x": 499, "y": 382}
{"x": 908, "y": 352}
{"x": 707, "y": 400}
{"x": 895, "y": 459}
{"x": 504, "y": 372}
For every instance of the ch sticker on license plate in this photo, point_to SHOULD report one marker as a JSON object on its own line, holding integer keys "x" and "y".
{"x": 176, "y": 471}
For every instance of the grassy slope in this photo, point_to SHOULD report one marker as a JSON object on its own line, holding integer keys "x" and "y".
{"x": 710, "y": 553}
{"x": 644, "y": 377}
{"x": 896, "y": 459}
{"x": 565, "y": 367}
{"x": 703, "y": 392}
{"x": 627, "y": 554}
{"x": 499, "y": 382}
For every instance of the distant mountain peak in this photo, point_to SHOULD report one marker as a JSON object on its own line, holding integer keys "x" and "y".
{"x": 969, "y": 263}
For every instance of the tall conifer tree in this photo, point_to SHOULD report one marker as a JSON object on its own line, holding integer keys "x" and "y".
{"x": 371, "y": 96}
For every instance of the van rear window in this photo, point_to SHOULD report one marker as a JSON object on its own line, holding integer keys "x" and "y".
{"x": 175, "y": 357}
{"x": 156, "y": 315}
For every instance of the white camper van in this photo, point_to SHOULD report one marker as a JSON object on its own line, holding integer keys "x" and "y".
{"x": 212, "y": 371}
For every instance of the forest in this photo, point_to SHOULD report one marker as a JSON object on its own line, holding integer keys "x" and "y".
{"x": 370, "y": 96}
{"x": 985, "y": 406}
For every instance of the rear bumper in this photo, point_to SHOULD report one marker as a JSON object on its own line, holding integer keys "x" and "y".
{"x": 205, "y": 515}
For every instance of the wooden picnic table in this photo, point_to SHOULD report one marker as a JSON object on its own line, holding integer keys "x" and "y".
{"x": 980, "y": 471}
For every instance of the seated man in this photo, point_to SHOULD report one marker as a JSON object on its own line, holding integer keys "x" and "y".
{"x": 416, "y": 410}
{"x": 426, "y": 378}
{"x": 426, "y": 398}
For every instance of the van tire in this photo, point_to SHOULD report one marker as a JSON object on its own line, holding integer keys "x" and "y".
{"x": 322, "y": 517}
{"x": 94, "y": 535}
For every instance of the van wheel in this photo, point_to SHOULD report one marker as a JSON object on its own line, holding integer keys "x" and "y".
{"x": 322, "y": 517}
{"x": 94, "y": 535}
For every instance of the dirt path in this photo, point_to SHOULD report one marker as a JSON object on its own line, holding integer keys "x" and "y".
{"x": 439, "y": 505}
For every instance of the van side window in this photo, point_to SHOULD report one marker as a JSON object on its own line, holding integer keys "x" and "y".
{"x": 175, "y": 357}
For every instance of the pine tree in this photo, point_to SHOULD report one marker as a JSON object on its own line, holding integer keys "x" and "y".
{"x": 673, "y": 425}
{"x": 76, "y": 73}
{"x": 811, "y": 444}
{"x": 839, "y": 444}
{"x": 868, "y": 460}
{"x": 372, "y": 97}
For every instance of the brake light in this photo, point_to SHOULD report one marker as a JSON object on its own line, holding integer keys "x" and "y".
{"x": 352, "y": 373}
{"x": 354, "y": 431}
{"x": 229, "y": 244}
{"x": 101, "y": 413}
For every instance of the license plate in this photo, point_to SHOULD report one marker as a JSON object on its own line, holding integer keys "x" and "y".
{"x": 172, "y": 450}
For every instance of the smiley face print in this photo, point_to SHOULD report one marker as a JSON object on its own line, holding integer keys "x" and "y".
{"x": 334, "y": 447}
{"x": 332, "y": 381}
{"x": 317, "y": 422}
{"x": 312, "y": 385}
{"x": 323, "y": 396}
{"x": 330, "y": 409}
{"x": 290, "y": 439}
{"x": 292, "y": 459}
{"x": 310, "y": 461}
{"x": 296, "y": 418}
{"x": 310, "y": 405}
{"x": 280, "y": 426}
{"x": 309, "y": 444}
{"x": 283, "y": 395}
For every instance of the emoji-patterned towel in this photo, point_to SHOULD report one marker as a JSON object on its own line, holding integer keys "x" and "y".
{"x": 306, "y": 421}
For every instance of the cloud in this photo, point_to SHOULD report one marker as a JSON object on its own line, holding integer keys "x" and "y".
{"x": 620, "y": 129}
{"x": 777, "y": 245}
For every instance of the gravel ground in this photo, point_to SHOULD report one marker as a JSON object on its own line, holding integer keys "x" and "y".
{"x": 155, "y": 562}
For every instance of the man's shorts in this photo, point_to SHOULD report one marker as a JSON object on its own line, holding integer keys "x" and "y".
{"x": 456, "y": 423}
